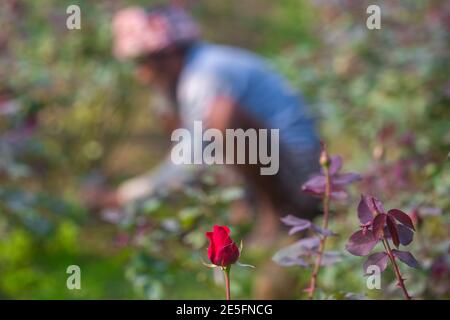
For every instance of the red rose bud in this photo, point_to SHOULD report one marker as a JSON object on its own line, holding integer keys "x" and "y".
{"x": 222, "y": 251}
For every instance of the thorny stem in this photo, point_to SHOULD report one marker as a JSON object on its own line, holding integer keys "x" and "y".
{"x": 226, "y": 272}
{"x": 387, "y": 247}
{"x": 326, "y": 213}
{"x": 401, "y": 281}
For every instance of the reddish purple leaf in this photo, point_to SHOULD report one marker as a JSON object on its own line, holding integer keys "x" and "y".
{"x": 290, "y": 261}
{"x": 405, "y": 234}
{"x": 291, "y": 255}
{"x": 361, "y": 244}
{"x": 335, "y": 165}
{"x": 315, "y": 185}
{"x": 309, "y": 244}
{"x": 296, "y": 223}
{"x": 339, "y": 194}
{"x": 378, "y": 225}
{"x": 323, "y": 232}
{"x": 402, "y": 217}
{"x": 298, "y": 229}
{"x": 364, "y": 213}
{"x": 345, "y": 178}
{"x": 379, "y": 259}
{"x": 392, "y": 226}
{"x": 291, "y": 220}
{"x": 330, "y": 257}
{"x": 407, "y": 258}
{"x": 376, "y": 205}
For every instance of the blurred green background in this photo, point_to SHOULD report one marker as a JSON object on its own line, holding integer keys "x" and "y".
{"x": 72, "y": 115}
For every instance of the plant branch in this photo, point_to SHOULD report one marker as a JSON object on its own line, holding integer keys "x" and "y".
{"x": 401, "y": 281}
{"x": 326, "y": 213}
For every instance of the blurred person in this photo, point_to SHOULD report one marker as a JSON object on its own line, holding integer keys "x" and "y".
{"x": 226, "y": 88}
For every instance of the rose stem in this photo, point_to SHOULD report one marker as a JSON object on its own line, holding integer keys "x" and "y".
{"x": 401, "y": 282}
{"x": 326, "y": 213}
{"x": 226, "y": 272}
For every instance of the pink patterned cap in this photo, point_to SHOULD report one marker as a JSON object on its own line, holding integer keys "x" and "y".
{"x": 137, "y": 32}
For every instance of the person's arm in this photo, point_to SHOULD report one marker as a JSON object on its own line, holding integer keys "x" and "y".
{"x": 164, "y": 178}
{"x": 202, "y": 98}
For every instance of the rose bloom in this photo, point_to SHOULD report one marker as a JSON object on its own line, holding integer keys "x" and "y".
{"x": 222, "y": 251}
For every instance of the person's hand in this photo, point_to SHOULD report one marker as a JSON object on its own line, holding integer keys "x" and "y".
{"x": 97, "y": 198}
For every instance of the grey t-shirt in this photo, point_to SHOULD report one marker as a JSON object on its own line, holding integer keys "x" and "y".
{"x": 213, "y": 72}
